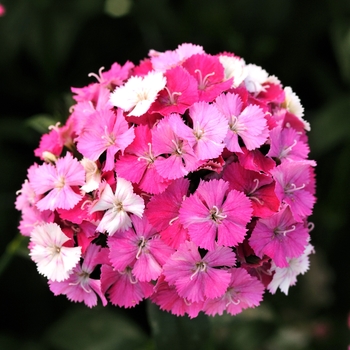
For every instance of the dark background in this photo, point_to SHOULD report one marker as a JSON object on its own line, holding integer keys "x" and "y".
{"x": 47, "y": 46}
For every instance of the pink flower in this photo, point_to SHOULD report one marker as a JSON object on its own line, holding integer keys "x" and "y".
{"x": 197, "y": 278}
{"x": 117, "y": 207}
{"x": 53, "y": 259}
{"x": 207, "y": 133}
{"x": 123, "y": 288}
{"x": 141, "y": 248}
{"x": 249, "y": 123}
{"x": 105, "y": 131}
{"x": 279, "y": 237}
{"x": 292, "y": 180}
{"x": 79, "y": 287}
{"x": 244, "y": 291}
{"x": 178, "y": 157}
{"x": 59, "y": 181}
{"x": 213, "y": 214}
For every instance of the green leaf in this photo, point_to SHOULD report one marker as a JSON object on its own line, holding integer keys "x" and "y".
{"x": 171, "y": 332}
{"x": 95, "y": 329}
{"x": 41, "y": 122}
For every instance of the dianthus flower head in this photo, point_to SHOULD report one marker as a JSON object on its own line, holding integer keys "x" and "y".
{"x": 184, "y": 179}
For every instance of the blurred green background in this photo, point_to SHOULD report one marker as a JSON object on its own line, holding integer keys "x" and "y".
{"x": 47, "y": 46}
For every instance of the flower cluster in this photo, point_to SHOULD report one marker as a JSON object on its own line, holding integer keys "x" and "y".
{"x": 184, "y": 179}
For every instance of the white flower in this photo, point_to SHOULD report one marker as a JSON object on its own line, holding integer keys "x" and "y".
{"x": 235, "y": 68}
{"x": 117, "y": 206}
{"x": 293, "y": 105}
{"x": 53, "y": 260}
{"x": 138, "y": 93}
{"x": 285, "y": 277}
{"x": 256, "y": 76}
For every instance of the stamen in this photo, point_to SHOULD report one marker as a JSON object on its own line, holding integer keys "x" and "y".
{"x": 292, "y": 188}
{"x": 178, "y": 150}
{"x": 150, "y": 158}
{"x": 203, "y": 82}
{"x": 173, "y": 220}
{"x": 310, "y": 226}
{"x": 232, "y": 300}
{"x": 88, "y": 201}
{"x": 284, "y": 232}
{"x": 216, "y": 215}
{"x": 99, "y": 76}
{"x": 201, "y": 267}
{"x": 286, "y": 150}
{"x": 257, "y": 200}
{"x": 255, "y": 187}
{"x": 141, "y": 245}
{"x": 172, "y": 96}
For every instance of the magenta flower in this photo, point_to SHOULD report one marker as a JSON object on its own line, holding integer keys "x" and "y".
{"x": 292, "y": 180}
{"x": 213, "y": 214}
{"x": 244, "y": 291}
{"x": 123, "y": 288}
{"x": 79, "y": 287}
{"x": 197, "y": 278}
{"x": 279, "y": 237}
{"x": 57, "y": 182}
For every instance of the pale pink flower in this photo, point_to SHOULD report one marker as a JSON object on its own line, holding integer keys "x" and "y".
{"x": 118, "y": 206}
{"x": 284, "y": 277}
{"x": 105, "y": 131}
{"x": 138, "y": 93}
{"x": 47, "y": 250}
{"x": 79, "y": 287}
{"x": 197, "y": 278}
{"x": 249, "y": 123}
{"x": 56, "y": 182}
{"x": 207, "y": 133}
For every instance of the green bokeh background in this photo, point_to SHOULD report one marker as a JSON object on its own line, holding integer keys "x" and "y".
{"x": 47, "y": 46}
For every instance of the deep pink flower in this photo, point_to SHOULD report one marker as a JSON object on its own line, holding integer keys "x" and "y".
{"x": 56, "y": 182}
{"x": 168, "y": 204}
{"x": 137, "y": 164}
{"x": 197, "y": 278}
{"x": 279, "y": 237}
{"x": 209, "y": 73}
{"x": 179, "y": 94}
{"x": 79, "y": 287}
{"x": 244, "y": 291}
{"x": 213, "y": 214}
{"x": 259, "y": 188}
